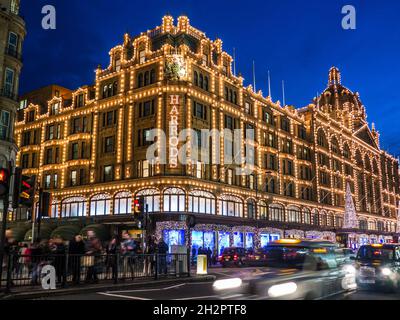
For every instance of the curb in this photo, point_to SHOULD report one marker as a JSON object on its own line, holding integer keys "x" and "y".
{"x": 108, "y": 287}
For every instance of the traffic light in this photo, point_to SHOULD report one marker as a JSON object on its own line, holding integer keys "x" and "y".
{"x": 26, "y": 191}
{"x": 17, "y": 187}
{"x": 45, "y": 200}
{"x": 4, "y": 181}
{"x": 138, "y": 205}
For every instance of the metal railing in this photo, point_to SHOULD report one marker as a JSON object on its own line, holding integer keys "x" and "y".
{"x": 26, "y": 270}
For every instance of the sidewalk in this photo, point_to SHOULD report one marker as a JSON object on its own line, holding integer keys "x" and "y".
{"x": 21, "y": 293}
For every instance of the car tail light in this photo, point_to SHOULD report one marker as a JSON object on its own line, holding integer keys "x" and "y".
{"x": 235, "y": 257}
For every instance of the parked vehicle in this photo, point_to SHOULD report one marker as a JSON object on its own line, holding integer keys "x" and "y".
{"x": 233, "y": 256}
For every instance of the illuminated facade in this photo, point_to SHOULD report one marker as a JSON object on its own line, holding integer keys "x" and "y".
{"x": 88, "y": 147}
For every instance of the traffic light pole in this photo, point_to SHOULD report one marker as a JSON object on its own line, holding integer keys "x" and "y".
{"x": 39, "y": 217}
{"x": 3, "y": 234}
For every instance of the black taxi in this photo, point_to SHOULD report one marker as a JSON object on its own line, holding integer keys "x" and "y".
{"x": 295, "y": 269}
{"x": 378, "y": 267}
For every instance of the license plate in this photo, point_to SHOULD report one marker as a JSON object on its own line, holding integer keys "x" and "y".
{"x": 367, "y": 281}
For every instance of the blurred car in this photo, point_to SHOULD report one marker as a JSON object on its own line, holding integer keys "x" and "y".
{"x": 347, "y": 254}
{"x": 298, "y": 269}
{"x": 232, "y": 256}
{"x": 378, "y": 267}
{"x": 255, "y": 258}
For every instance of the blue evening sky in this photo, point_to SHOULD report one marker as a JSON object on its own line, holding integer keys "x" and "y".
{"x": 297, "y": 40}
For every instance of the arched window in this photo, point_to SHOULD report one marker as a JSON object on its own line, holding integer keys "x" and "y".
{"x": 152, "y": 76}
{"x": 201, "y": 81}
{"x": 371, "y": 225}
{"x": 55, "y": 205}
{"x": 276, "y": 212}
{"x": 201, "y": 202}
{"x": 346, "y": 151}
{"x": 262, "y": 210}
{"x": 231, "y": 206}
{"x": 123, "y": 203}
{"x": 315, "y": 218}
{"x": 196, "y": 78}
{"x": 100, "y": 205}
{"x": 330, "y": 220}
{"x": 115, "y": 88}
{"x": 306, "y": 216}
{"x": 151, "y": 198}
{"x": 174, "y": 200}
{"x": 146, "y": 78}
{"x": 140, "y": 80}
{"x": 206, "y": 83}
{"x": 323, "y": 218}
{"x": 251, "y": 209}
{"x": 105, "y": 90}
{"x": 321, "y": 139}
{"x": 367, "y": 163}
{"x": 363, "y": 224}
{"x": 294, "y": 214}
{"x": 359, "y": 160}
{"x": 335, "y": 145}
{"x": 73, "y": 207}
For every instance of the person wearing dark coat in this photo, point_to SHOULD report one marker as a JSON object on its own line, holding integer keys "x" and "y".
{"x": 162, "y": 249}
{"x": 59, "y": 251}
{"x": 76, "y": 250}
{"x": 112, "y": 259}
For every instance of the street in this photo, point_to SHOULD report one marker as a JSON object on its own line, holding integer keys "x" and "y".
{"x": 204, "y": 290}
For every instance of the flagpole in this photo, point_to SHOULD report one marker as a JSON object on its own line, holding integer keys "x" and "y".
{"x": 254, "y": 76}
{"x": 283, "y": 93}
{"x": 269, "y": 85}
{"x": 234, "y": 62}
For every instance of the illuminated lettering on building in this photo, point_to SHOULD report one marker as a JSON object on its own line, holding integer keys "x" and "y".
{"x": 173, "y": 130}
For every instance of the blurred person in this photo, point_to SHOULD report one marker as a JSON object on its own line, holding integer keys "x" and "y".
{"x": 93, "y": 249}
{"x": 36, "y": 257}
{"x": 59, "y": 251}
{"x": 162, "y": 250}
{"x": 209, "y": 254}
{"x": 128, "y": 248}
{"x": 76, "y": 250}
{"x": 150, "y": 251}
{"x": 112, "y": 259}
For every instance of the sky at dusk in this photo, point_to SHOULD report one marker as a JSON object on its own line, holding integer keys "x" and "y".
{"x": 297, "y": 40}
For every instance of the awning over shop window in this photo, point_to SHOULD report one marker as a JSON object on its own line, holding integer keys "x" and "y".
{"x": 65, "y": 232}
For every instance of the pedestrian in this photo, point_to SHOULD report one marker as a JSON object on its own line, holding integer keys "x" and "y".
{"x": 209, "y": 254}
{"x": 36, "y": 256}
{"x": 59, "y": 252}
{"x": 149, "y": 261}
{"x": 93, "y": 249}
{"x": 76, "y": 250}
{"x": 128, "y": 248}
{"x": 162, "y": 250}
{"x": 23, "y": 259}
{"x": 215, "y": 256}
{"x": 111, "y": 259}
{"x": 193, "y": 255}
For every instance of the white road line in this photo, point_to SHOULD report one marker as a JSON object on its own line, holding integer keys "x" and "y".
{"x": 148, "y": 290}
{"x": 197, "y": 298}
{"x": 121, "y": 296}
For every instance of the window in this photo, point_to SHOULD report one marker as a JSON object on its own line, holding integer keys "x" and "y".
{"x": 75, "y": 151}
{"x": 288, "y": 189}
{"x": 251, "y": 209}
{"x": 285, "y": 124}
{"x": 12, "y": 43}
{"x": 270, "y": 185}
{"x": 109, "y": 144}
{"x": 146, "y": 108}
{"x": 144, "y": 137}
{"x": 144, "y": 169}
{"x": 201, "y": 202}
{"x": 294, "y": 215}
{"x": 73, "y": 178}
{"x": 205, "y": 59}
{"x": 229, "y": 122}
{"x": 151, "y": 199}
{"x": 199, "y": 170}
{"x": 49, "y": 156}
{"x": 174, "y": 200}
{"x": 307, "y": 216}
{"x": 276, "y": 213}
{"x": 30, "y": 116}
{"x": 73, "y": 207}
{"x": 117, "y": 64}
{"x": 263, "y": 210}
{"x": 79, "y": 100}
{"x": 55, "y": 108}
{"x": 108, "y": 173}
{"x": 231, "y": 206}
{"x": 25, "y": 161}
{"x": 47, "y": 181}
{"x": 247, "y": 108}
{"x": 57, "y": 157}
{"x": 9, "y": 83}
{"x": 4, "y": 124}
{"x": 100, "y": 205}
{"x": 23, "y": 104}
{"x": 123, "y": 203}
{"x": 302, "y": 133}
{"x": 14, "y": 6}
{"x": 142, "y": 56}
{"x": 199, "y": 110}
{"x": 267, "y": 117}
{"x": 55, "y": 179}
{"x": 321, "y": 139}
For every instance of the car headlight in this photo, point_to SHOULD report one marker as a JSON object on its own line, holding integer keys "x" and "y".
{"x": 283, "y": 289}
{"x": 386, "y": 272}
{"x": 349, "y": 269}
{"x": 227, "y": 284}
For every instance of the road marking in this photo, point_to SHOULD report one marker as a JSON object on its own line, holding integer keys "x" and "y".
{"x": 121, "y": 296}
{"x": 147, "y": 290}
{"x": 197, "y": 298}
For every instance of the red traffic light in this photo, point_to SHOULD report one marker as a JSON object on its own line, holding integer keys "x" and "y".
{"x": 4, "y": 181}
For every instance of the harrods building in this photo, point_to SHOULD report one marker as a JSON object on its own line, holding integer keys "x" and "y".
{"x": 88, "y": 148}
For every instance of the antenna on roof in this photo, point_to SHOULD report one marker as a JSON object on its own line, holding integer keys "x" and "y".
{"x": 283, "y": 93}
{"x": 254, "y": 76}
{"x": 269, "y": 86}
{"x": 234, "y": 62}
